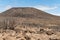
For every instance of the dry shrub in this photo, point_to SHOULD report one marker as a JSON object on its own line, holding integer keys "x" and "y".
{"x": 49, "y": 32}
{"x": 41, "y": 31}
{"x": 8, "y": 23}
{"x": 27, "y": 38}
{"x": 53, "y": 39}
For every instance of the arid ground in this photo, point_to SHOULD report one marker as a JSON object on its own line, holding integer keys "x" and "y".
{"x": 26, "y": 23}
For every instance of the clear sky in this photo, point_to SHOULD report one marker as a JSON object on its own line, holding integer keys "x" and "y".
{"x": 50, "y": 6}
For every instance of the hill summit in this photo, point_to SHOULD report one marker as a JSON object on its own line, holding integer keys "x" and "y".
{"x": 27, "y": 12}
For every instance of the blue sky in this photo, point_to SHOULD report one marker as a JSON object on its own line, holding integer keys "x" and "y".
{"x": 50, "y": 6}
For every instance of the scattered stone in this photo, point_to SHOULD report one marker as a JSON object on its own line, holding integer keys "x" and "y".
{"x": 49, "y": 32}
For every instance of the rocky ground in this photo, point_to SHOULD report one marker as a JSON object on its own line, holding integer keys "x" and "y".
{"x": 29, "y": 33}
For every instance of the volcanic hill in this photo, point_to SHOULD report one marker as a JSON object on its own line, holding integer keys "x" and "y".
{"x": 26, "y": 12}
{"x": 28, "y": 23}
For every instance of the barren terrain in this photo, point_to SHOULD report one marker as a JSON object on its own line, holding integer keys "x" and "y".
{"x": 26, "y": 23}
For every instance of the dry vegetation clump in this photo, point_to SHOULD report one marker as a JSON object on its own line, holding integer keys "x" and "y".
{"x": 49, "y": 32}
{"x": 8, "y": 23}
{"x": 53, "y": 39}
{"x": 41, "y": 31}
{"x": 26, "y": 35}
{"x": 27, "y": 38}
